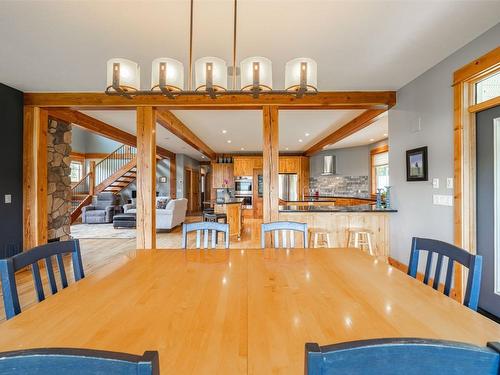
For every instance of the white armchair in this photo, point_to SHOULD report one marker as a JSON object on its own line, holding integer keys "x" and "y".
{"x": 172, "y": 215}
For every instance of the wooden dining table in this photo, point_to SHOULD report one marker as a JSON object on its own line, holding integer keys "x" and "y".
{"x": 241, "y": 311}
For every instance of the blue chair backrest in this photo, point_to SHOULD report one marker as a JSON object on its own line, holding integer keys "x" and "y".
{"x": 63, "y": 361}
{"x": 209, "y": 229}
{"x": 406, "y": 356}
{"x": 453, "y": 254}
{"x": 285, "y": 227}
{"x": 9, "y": 267}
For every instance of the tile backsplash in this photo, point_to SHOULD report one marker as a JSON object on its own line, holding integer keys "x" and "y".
{"x": 348, "y": 186}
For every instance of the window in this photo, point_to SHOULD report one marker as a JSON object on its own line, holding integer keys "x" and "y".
{"x": 76, "y": 171}
{"x": 379, "y": 168}
{"x": 488, "y": 88}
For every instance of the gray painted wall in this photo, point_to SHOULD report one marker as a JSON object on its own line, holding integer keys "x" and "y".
{"x": 427, "y": 100}
{"x": 162, "y": 169}
{"x": 352, "y": 161}
{"x": 87, "y": 142}
{"x": 183, "y": 161}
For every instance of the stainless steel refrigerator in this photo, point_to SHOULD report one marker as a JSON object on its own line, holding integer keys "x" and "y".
{"x": 288, "y": 186}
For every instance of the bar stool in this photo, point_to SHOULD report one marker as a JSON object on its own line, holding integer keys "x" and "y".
{"x": 318, "y": 234}
{"x": 362, "y": 239}
{"x": 214, "y": 217}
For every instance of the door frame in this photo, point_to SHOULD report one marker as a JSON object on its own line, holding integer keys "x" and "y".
{"x": 464, "y": 135}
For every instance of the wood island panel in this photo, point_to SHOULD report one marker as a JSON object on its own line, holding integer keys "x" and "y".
{"x": 338, "y": 224}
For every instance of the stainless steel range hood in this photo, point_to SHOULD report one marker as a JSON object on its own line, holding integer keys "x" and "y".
{"x": 329, "y": 165}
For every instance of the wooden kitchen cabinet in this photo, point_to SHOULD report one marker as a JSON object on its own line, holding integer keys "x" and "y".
{"x": 221, "y": 172}
{"x": 298, "y": 165}
{"x": 289, "y": 164}
{"x": 244, "y": 165}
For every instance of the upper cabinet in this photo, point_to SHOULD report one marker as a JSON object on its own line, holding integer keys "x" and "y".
{"x": 289, "y": 164}
{"x": 222, "y": 173}
{"x": 244, "y": 165}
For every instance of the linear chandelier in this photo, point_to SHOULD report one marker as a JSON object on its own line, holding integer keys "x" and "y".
{"x": 211, "y": 75}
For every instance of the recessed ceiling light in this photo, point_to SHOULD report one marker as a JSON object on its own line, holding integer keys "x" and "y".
{"x": 307, "y": 134}
{"x": 300, "y": 140}
{"x": 228, "y": 141}
{"x": 385, "y": 134}
{"x": 203, "y": 156}
{"x": 286, "y": 148}
{"x": 371, "y": 139}
{"x": 243, "y": 149}
{"x": 224, "y": 131}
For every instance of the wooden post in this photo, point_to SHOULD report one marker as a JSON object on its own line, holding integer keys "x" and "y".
{"x": 173, "y": 178}
{"x": 146, "y": 178}
{"x": 92, "y": 178}
{"x": 35, "y": 211}
{"x": 270, "y": 163}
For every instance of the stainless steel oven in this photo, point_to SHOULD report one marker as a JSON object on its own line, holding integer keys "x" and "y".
{"x": 243, "y": 185}
{"x": 247, "y": 200}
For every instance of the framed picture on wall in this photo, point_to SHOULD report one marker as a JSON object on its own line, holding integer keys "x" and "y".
{"x": 416, "y": 164}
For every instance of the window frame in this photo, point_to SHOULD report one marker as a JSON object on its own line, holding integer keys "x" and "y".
{"x": 373, "y": 152}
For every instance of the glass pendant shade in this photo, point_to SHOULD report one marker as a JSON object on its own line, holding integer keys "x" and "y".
{"x": 128, "y": 74}
{"x": 218, "y": 69}
{"x": 258, "y": 67}
{"x": 174, "y": 74}
{"x": 293, "y": 74}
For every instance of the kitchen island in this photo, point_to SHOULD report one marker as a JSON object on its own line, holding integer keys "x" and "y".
{"x": 339, "y": 219}
{"x": 232, "y": 208}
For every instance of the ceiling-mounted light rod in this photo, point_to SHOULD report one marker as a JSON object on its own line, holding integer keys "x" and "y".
{"x": 234, "y": 42}
{"x": 256, "y": 79}
{"x": 163, "y": 80}
{"x": 303, "y": 80}
{"x": 190, "y": 78}
{"x": 209, "y": 71}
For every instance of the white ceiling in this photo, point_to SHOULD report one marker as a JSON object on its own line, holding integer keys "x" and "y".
{"x": 358, "y": 45}
{"x": 126, "y": 121}
{"x": 375, "y": 132}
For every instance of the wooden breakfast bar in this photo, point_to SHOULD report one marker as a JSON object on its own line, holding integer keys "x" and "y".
{"x": 241, "y": 311}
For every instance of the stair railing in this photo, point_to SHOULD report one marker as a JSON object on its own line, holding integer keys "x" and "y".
{"x": 100, "y": 172}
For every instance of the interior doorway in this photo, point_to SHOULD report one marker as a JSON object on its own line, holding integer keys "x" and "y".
{"x": 192, "y": 189}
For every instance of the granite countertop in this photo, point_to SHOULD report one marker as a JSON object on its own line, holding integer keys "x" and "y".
{"x": 230, "y": 201}
{"x": 355, "y": 208}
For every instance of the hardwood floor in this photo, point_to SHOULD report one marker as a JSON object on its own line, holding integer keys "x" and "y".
{"x": 99, "y": 252}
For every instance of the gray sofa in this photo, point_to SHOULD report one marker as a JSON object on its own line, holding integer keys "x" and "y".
{"x": 102, "y": 210}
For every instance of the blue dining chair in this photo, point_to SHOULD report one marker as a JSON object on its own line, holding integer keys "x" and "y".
{"x": 64, "y": 361}
{"x": 285, "y": 227}
{"x": 406, "y": 356}
{"x": 208, "y": 229}
{"x": 9, "y": 267}
{"x": 453, "y": 254}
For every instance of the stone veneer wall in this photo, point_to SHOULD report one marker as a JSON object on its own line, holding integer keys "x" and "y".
{"x": 59, "y": 182}
{"x": 349, "y": 186}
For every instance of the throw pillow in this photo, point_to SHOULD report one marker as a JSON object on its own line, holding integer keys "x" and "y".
{"x": 161, "y": 204}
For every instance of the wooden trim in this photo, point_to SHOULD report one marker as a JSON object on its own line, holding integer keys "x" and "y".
{"x": 146, "y": 178}
{"x": 373, "y": 152}
{"x": 35, "y": 210}
{"x": 362, "y": 121}
{"x": 479, "y": 67}
{"x": 464, "y": 136}
{"x": 331, "y": 100}
{"x": 484, "y": 105}
{"x": 77, "y": 155}
{"x": 99, "y": 127}
{"x": 173, "y": 177}
{"x": 270, "y": 163}
{"x": 170, "y": 122}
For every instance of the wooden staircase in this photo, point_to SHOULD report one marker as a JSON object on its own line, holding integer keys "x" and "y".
{"x": 112, "y": 174}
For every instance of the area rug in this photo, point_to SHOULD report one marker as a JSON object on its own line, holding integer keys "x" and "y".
{"x": 82, "y": 231}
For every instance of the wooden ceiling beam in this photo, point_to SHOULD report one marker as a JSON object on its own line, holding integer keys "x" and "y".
{"x": 99, "y": 127}
{"x": 322, "y": 100}
{"x": 172, "y": 123}
{"x": 362, "y": 121}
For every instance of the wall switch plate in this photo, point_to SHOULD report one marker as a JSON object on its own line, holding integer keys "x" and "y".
{"x": 435, "y": 183}
{"x": 449, "y": 182}
{"x": 8, "y": 198}
{"x": 442, "y": 200}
